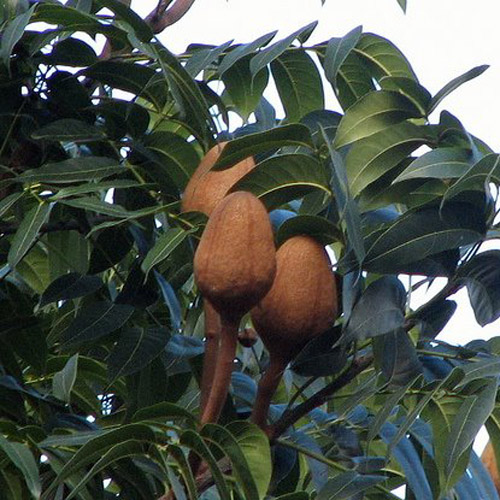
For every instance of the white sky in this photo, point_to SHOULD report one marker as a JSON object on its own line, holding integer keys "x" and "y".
{"x": 441, "y": 38}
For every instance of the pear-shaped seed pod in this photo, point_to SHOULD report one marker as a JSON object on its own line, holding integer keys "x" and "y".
{"x": 234, "y": 267}
{"x": 301, "y": 304}
{"x": 490, "y": 462}
{"x": 207, "y": 187}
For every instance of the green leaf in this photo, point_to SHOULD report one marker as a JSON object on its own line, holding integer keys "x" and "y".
{"x": 477, "y": 177}
{"x": 163, "y": 247}
{"x": 440, "y": 163}
{"x": 346, "y": 485}
{"x": 371, "y": 158}
{"x": 421, "y": 233}
{"x": 480, "y": 369}
{"x": 64, "y": 381}
{"x": 9, "y": 201}
{"x": 20, "y": 455}
{"x": 164, "y": 412}
{"x": 383, "y": 57}
{"x": 70, "y": 286}
{"x": 454, "y": 84}
{"x": 72, "y": 52}
{"x": 69, "y": 129}
{"x": 128, "y": 448}
{"x": 12, "y": 33}
{"x": 269, "y": 54}
{"x": 298, "y": 83}
{"x": 95, "y": 187}
{"x": 244, "y": 50}
{"x": 82, "y": 169}
{"x": 135, "y": 349}
{"x": 379, "y": 310}
{"x": 141, "y": 29}
{"x": 94, "y": 449}
{"x": 137, "y": 79}
{"x": 94, "y": 321}
{"x": 255, "y": 446}
{"x": 374, "y": 112}
{"x": 471, "y": 416}
{"x": 202, "y": 58}
{"x": 410, "y": 88}
{"x": 337, "y": 51}
{"x": 481, "y": 275}
{"x": 249, "y": 145}
{"x": 319, "y": 228}
{"x": 193, "y": 440}
{"x": 240, "y": 467}
{"x": 245, "y": 92}
{"x": 283, "y": 178}
{"x": 27, "y": 232}
{"x": 178, "y": 455}
{"x": 402, "y": 4}
{"x": 96, "y": 205}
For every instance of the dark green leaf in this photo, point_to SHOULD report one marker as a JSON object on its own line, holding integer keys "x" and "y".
{"x": 73, "y": 170}
{"x": 410, "y": 88}
{"x": 20, "y": 455}
{"x": 72, "y": 52}
{"x": 64, "y": 381}
{"x": 27, "y": 232}
{"x": 95, "y": 321}
{"x": 337, "y": 51}
{"x": 249, "y": 145}
{"x": 94, "y": 187}
{"x": 244, "y": 50}
{"x": 374, "y": 112}
{"x": 298, "y": 83}
{"x": 283, "y": 178}
{"x": 163, "y": 247}
{"x": 421, "y": 233}
{"x": 163, "y": 412}
{"x": 69, "y": 129}
{"x": 70, "y": 286}
{"x": 440, "y": 163}
{"x": 318, "y": 227}
{"x": 454, "y": 84}
{"x": 346, "y": 485}
{"x": 322, "y": 119}
{"x": 269, "y": 54}
{"x": 135, "y": 349}
{"x": 202, "y": 58}
{"x": 432, "y": 317}
{"x": 372, "y": 157}
{"x": 171, "y": 300}
{"x": 402, "y": 4}
{"x": 9, "y": 201}
{"x": 379, "y": 310}
{"x": 481, "y": 275}
{"x": 96, "y": 205}
{"x": 12, "y": 33}
{"x": 110, "y": 247}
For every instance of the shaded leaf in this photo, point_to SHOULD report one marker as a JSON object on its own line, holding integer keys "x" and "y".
{"x": 203, "y": 57}
{"x": 9, "y": 201}
{"x": 249, "y": 145}
{"x": 12, "y": 33}
{"x": 319, "y": 228}
{"x": 283, "y": 178}
{"x": 95, "y": 321}
{"x": 298, "y": 83}
{"x": 171, "y": 301}
{"x": 379, "y": 310}
{"x": 410, "y": 88}
{"x": 455, "y": 83}
{"x": 69, "y": 129}
{"x": 432, "y": 317}
{"x": 70, "y": 286}
{"x": 64, "y": 381}
{"x": 135, "y": 349}
{"x": 346, "y": 485}
{"x": 374, "y": 112}
{"x": 27, "y": 232}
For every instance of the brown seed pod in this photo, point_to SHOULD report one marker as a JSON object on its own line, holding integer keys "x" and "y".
{"x": 234, "y": 267}
{"x": 301, "y": 304}
{"x": 207, "y": 187}
{"x": 489, "y": 461}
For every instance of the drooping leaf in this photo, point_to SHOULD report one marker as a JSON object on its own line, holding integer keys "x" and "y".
{"x": 402, "y": 4}
{"x": 432, "y": 317}
{"x": 22, "y": 458}
{"x": 70, "y": 286}
{"x": 135, "y": 349}
{"x": 337, "y": 51}
{"x": 481, "y": 275}
{"x": 410, "y": 88}
{"x": 379, "y": 310}
{"x": 64, "y": 381}
{"x": 201, "y": 57}
{"x": 284, "y": 178}
{"x": 73, "y": 170}
{"x": 95, "y": 321}
{"x": 27, "y": 232}
{"x": 372, "y": 113}
{"x": 454, "y": 84}
{"x": 9, "y": 201}
{"x": 373, "y": 157}
{"x": 269, "y": 54}
{"x": 422, "y": 233}
{"x": 249, "y": 145}
{"x": 171, "y": 300}
{"x": 347, "y": 484}
{"x": 298, "y": 83}
{"x": 72, "y": 52}
{"x": 440, "y": 163}
{"x": 318, "y": 227}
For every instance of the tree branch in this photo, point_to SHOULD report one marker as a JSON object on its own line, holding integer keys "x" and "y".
{"x": 290, "y": 417}
{"x": 160, "y": 18}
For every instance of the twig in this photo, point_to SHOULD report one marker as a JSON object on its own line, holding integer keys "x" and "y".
{"x": 321, "y": 397}
{"x": 160, "y": 18}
